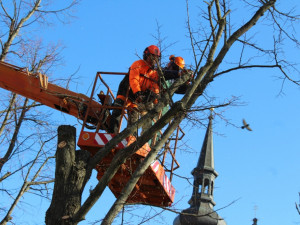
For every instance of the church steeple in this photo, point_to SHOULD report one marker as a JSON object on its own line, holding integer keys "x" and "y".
{"x": 204, "y": 173}
{"x": 201, "y": 203}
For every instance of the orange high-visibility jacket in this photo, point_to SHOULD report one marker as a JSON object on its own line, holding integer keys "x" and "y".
{"x": 142, "y": 77}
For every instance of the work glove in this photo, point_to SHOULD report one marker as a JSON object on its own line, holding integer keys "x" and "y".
{"x": 184, "y": 71}
{"x": 153, "y": 97}
{"x": 139, "y": 97}
{"x": 150, "y": 96}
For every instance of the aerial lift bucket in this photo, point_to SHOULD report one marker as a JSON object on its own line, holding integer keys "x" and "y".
{"x": 153, "y": 188}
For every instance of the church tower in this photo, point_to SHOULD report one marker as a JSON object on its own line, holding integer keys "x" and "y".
{"x": 201, "y": 210}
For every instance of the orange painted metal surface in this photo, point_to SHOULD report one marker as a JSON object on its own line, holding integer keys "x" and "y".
{"x": 153, "y": 188}
{"x": 37, "y": 88}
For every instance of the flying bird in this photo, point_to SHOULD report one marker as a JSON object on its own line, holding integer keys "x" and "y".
{"x": 246, "y": 125}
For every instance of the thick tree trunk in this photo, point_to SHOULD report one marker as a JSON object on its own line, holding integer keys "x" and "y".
{"x": 71, "y": 175}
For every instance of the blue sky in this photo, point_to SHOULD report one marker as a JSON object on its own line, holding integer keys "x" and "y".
{"x": 259, "y": 168}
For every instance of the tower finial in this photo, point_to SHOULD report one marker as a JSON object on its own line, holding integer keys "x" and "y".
{"x": 255, "y": 209}
{"x": 255, "y": 219}
{"x": 211, "y": 113}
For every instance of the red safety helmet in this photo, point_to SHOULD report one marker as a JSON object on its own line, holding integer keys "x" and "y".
{"x": 152, "y": 49}
{"x": 179, "y": 61}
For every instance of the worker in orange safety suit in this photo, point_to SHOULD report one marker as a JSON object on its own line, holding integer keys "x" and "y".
{"x": 143, "y": 89}
{"x": 174, "y": 70}
{"x": 144, "y": 84}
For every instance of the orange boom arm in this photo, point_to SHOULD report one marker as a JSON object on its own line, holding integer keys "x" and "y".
{"x": 37, "y": 88}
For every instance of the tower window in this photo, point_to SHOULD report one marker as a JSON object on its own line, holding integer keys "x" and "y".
{"x": 206, "y": 186}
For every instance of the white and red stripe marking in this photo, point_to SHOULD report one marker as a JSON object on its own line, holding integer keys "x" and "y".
{"x": 155, "y": 166}
{"x": 103, "y": 139}
{"x": 166, "y": 182}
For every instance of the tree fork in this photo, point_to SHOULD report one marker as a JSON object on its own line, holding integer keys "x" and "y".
{"x": 71, "y": 175}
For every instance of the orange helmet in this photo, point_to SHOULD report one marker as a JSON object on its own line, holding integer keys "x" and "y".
{"x": 152, "y": 49}
{"x": 179, "y": 61}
